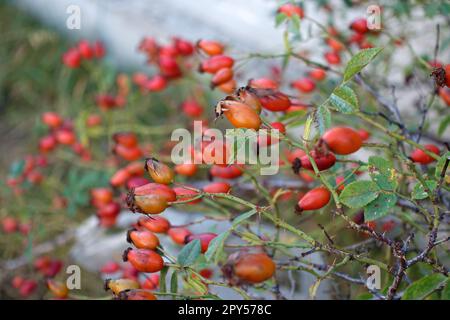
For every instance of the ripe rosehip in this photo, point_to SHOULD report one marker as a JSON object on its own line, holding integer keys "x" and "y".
{"x": 332, "y": 57}
{"x": 119, "y": 178}
{"x": 105, "y": 101}
{"x": 192, "y": 108}
{"x": 292, "y": 155}
{"x": 169, "y": 67}
{"x": 101, "y": 196}
{"x": 290, "y": 9}
{"x": 136, "y": 295}
{"x": 151, "y": 282}
{"x": 205, "y": 239}
{"x": 128, "y": 154}
{"x": 93, "y": 120}
{"x": 179, "y": 235}
{"x": 342, "y": 140}
{"x": 119, "y": 285}
{"x": 58, "y": 288}
{"x": 126, "y": 139}
{"x": 221, "y": 76}
{"x": 52, "y": 269}
{"x": 155, "y": 224}
{"x": 444, "y": 93}
{"x": 27, "y": 288}
{"x": 17, "y": 281}
{"x": 239, "y": 114}
{"x": 65, "y": 136}
{"x": 304, "y": 85}
{"x": 143, "y": 239}
{"x": 228, "y": 172}
{"x": 47, "y": 143}
{"x": 52, "y": 119}
{"x": 339, "y": 183}
{"x": 72, "y": 58}
{"x": 323, "y": 160}
{"x": 215, "y": 63}
{"x": 274, "y": 101}
{"x": 9, "y": 225}
{"x": 85, "y": 49}
{"x": 210, "y": 47}
{"x": 217, "y": 187}
{"x": 186, "y": 169}
{"x": 228, "y": 87}
{"x": 160, "y": 172}
{"x": 314, "y": 199}
{"x": 155, "y": 188}
{"x": 149, "y": 203}
{"x": 364, "y": 134}
{"x": 318, "y": 74}
{"x": 99, "y": 49}
{"x": 206, "y": 273}
{"x": 447, "y": 75}
{"x": 144, "y": 260}
{"x": 359, "y": 25}
{"x": 184, "y": 48}
{"x": 108, "y": 210}
{"x": 155, "y": 84}
{"x": 254, "y": 267}
{"x": 421, "y": 157}
{"x": 263, "y": 83}
{"x": 135, "y": 182}
{"x": 335, "y": 44}
{"x": 110, "y": 267}
{"x": 135, "y": 168}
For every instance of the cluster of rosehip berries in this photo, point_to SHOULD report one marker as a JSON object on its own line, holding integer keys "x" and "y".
{"x": 73, "y": 57}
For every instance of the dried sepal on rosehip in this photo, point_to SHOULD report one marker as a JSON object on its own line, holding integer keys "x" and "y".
{"x": 119, "y": 285}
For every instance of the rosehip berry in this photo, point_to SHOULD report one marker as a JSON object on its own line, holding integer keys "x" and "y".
{"x": 304, "y": 85}
{"x": 239, "y": 114}
{"x": 93, "y": 120}
{"x": 136, "y": 295}
{"x": 126, "y": 139}
{"x": 186, "y": 169}
{"x": 27, "y": 288}
{"x": 192, "y": 108}
{"x": 323, "y": 161}
{"x": 101, "y": 196}
{"x": 342, "y": 140}
{"x": 143, "y": 239}
{"x": 72, "y": 58}
{"x": 334, "y": 44}
{"x": 85, "y": 49}
{"x": 359, "y": 25}
{"x": 314, "y": 199}
{"x": 148, "y": 202}
{"x": 144, "y": 260}
{"x": 184, "y": 47}
{"x": 119, "y": 178}
{"x": 52, "y": 269}
{"x": 210, "y": 47}
{"x": 108, "y": 210}
{"x": 58, "y": 288}
{"x": 105, "y": 101}
{"x": 119, "y": 285}
{"x": 52, "y": 119}
{"x": 151, "y": 282}
{"x": 65, "y": 136}
{"x": 364, "y": 134}
{"x": 9, "y": 225}
{"x": 290, "y": 9}
{"x": 179, "y": 235}
{"x": 155, "y": 84}
{"x": 221, "y": 76}
{"x": 110, "y": 267}
{"x": 421, "y": 157}
{"x": 99, "y": 49}
{"x": 128, "y": 154}
{"x": 318, "y": 74}
{"x": 17, "y": 281}
{"x": 228, "y": 87}
{"x": 444, "y": 93}
{"x": 263, "y": 83}
{"x": 135, "y": 182}
{"x": 184, "y": 194}
{"x": 254, "y": 267}
{"x": 217, "y": 187}
{"x": 447, "y": 75}
{"x": 155, "y": 224}
{"x": 339, "y": 183}
{"x": 228, "y": 172}
{"x": 274, "y": 101}
{"x": 332, "y": 57}
{"x": 249, "y": 98}
{"x": 215, "y": 63}
{"x": 160, "y": 172}
{"x": 205, "y": 239}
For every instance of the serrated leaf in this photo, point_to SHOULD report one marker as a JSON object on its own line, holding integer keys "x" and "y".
{"x": 359, "y": 193}
{"x": 379, "y": 207}
{"x": 323, "y": 118}
{"x": 215, "y": 247}
{"x": 344, "y": 100}
{"x": 422, "y": 288}
{"x": 189, "y": 253}
{"x": 359, "y": 61}
{"x": 419, "y": 192}
{"x": 382, "y": 173}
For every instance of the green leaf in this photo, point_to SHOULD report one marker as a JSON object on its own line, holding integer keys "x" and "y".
{"x": 215, "y": 247}
{"x": 441, "y": 164}
{"x": 189, "y": 253}
{"x": 307, "y": 130}
{"x": 359, "y": 193}
{"x": 380, "y": 207}
{"x": 446, "y": 292}
{"x": 238, "y": 220}
{"x": 443, "y": 125}
{"x": 382, "y": 173}
{"x": 292, "y": 115}
{"x": 162, "y": 279}
{"x": 196, "y": 284}
{"x": 344, "y": 100}
{"x": 422, "y": 288}
{"x": 359, "y": 61}
{"x": 280, "y": 18}
{"x": 174, "y": 282}
{"x": 16, "y": 168}
{"x": 323, "y": 118}
{"x": 419, "y": 192}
